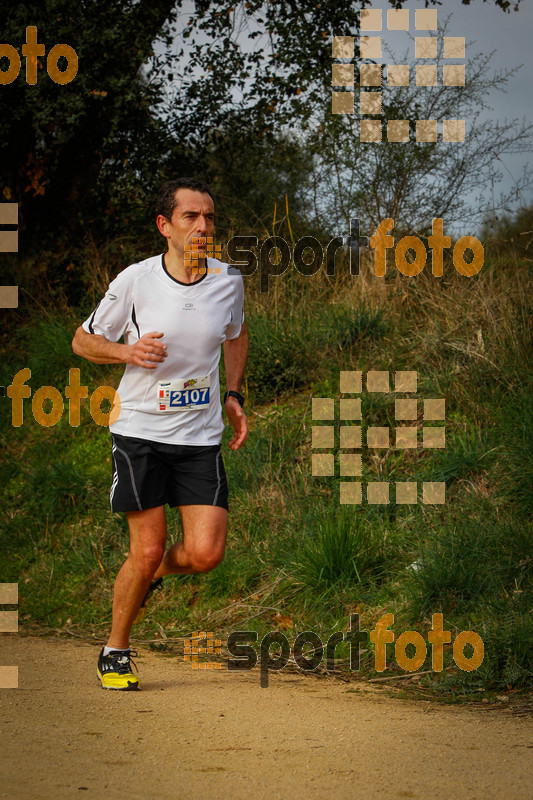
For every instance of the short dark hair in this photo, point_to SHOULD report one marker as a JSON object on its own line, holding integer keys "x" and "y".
{"x": 166, "y": 199}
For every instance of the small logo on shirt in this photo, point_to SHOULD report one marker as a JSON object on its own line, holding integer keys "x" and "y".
{"x": 112, "y": 296}
{"x": 189, "y": 307}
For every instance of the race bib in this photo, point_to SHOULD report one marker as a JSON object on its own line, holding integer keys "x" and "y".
{"x": 183, "y": 394}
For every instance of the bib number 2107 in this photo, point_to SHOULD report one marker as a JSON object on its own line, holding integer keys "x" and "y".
{"x": 184, "y": 394}
{"x": 189, "y": 397}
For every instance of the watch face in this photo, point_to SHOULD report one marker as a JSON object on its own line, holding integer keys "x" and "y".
{"x": 236, "y": 395}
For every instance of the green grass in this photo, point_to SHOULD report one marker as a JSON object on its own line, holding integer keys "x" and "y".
{"x": 294, "y": 553}
{"x": 466, "y": 455}
{"x": 342, "y": 327}
{"x": 338, "y": 550}
{"x": 468, "y": 562}
{"x": 515, "y": 426}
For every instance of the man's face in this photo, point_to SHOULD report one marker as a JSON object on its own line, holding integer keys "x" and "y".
{"x": 193, "y": 216}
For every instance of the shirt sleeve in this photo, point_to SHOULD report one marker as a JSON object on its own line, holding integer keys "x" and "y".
{"x": 113, "y": 313}
{"x": 237, "y": 309}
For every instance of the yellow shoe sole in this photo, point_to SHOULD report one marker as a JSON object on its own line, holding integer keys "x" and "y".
{"x": 123, "y": 683}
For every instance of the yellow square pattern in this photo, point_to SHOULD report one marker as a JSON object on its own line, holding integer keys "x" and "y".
{"x": 351, "y": 436}
{"x": 398, "y": 74}
{"x": 434, "y": 492}
{"x": 342, "y": 103}
{"x": 398, "y": 20}
{"x": 342, "y": 47}
{"x": 323, "y": 464}
{"x": 342, "y": 75}
{"x": 9, "y": 295}
{"x": 9, "y": 241}
{"x": 406, "y": 493}
{"x": 435, "y": 409}
{"x": 405, "y": 409}
{"x": 350, "y": 409}
{"x": 377, "y": 437}
{"x": 377, "y": 493}
{"x": 370, "y": 102}
{"x": 453, "y": 75}
{"x": 454, "y": 47}
{"x": 406, "y": 381}
{"x": 426, "y": 130}
{"x": 192, "y": 650}
{"x": 350, "y": 494}
{"x": 9, "y": 593}
{"x": 425, "y": 20}
{"x": 9, "y": 677}
{"x": 453, "y": 130}
{"x": 9, "y": 213}
{"x": 323, "y": 436}
{"x": 323, "y": 408}
{"x": 426, "y": 74}
{"x": 9, "y": 621}
{"x": 351, "y": 382}
{"x": 434, "y": 437}
{"x": 370, "y": 20}
{"x": 370, "y": 46}
{"x": 370, "y": 75}
{"x": 426, "y": 47}
{"x": 377, "y": 381}
{"x": 398, "y": 130}
{"x": 370, "y": 130}
{"x": 406, "y": 438}
{"x": 351, "y": 464}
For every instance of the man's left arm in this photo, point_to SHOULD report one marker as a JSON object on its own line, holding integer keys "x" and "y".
{"x": 235, "y": 355}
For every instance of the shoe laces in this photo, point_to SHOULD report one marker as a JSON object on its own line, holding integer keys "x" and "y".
{"x": 121, "y": 661}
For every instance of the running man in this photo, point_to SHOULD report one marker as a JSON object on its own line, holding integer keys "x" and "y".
{"x": 166, "y": 441}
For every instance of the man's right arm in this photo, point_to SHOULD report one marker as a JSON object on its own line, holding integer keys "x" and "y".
{"x": 147, "y": 352}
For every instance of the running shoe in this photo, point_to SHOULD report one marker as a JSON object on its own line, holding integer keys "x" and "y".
{"x": 154, "y": 586}
{"x": 115, "y": 672}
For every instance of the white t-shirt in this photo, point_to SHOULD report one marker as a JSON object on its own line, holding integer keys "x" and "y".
{"x": 195, "y": 319}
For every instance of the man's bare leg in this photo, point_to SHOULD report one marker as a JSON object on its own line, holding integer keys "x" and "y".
{"x": 148, "y": 532}
{"x": 202, "y": 549}
{"x": 204, "y": 540}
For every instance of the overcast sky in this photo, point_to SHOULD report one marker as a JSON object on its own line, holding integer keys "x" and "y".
{"x": 511, "y": 37}
{"x": 486, "y": 28}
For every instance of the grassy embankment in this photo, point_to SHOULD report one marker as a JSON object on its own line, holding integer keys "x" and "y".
{"x": 296, "y": 559}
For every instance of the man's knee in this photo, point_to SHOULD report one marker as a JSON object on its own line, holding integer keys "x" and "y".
{"x": 205, "y": 561}
{"x": 147, "y": 558}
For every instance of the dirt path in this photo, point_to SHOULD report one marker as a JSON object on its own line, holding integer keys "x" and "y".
{"x": 191, "y": 734}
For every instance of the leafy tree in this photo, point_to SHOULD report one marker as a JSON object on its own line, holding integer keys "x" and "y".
{"x": 413, "y": 182}
{"x": 87, "y": 155}
{"x": 71, "y": 154}
{"x": 258, "y": 179}
{"x": 269, "y": 59}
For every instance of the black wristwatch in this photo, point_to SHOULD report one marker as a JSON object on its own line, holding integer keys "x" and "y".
{"x": 238, "y": 397}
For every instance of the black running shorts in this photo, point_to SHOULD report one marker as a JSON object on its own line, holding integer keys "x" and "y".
{"x": 148, "y": 474}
